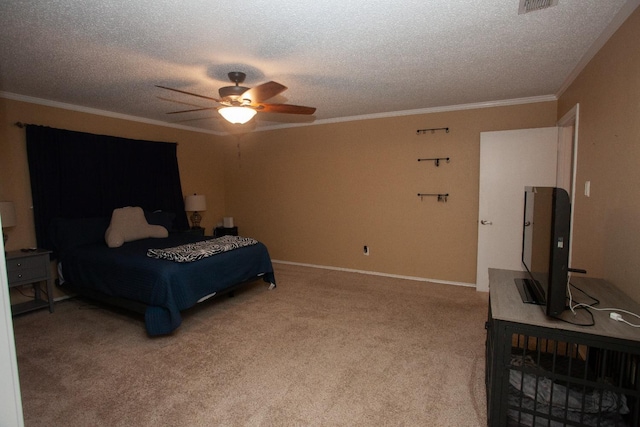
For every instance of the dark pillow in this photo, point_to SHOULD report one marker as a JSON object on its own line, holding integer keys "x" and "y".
{"x": 69, "y": 233}
{"x": 162, "y": 218}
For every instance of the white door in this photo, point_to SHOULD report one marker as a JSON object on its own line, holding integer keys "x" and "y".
{"x": 509, "y": 161}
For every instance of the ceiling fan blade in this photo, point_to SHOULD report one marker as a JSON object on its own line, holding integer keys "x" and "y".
{"x": 285, "y": 108}
{"x": 192, "y": 110}
{"x": 263, "y": 92}
{"x": 188, "y": 93}
{"x": 178, "y": 102}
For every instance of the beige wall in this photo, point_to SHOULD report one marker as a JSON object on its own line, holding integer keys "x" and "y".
{"x": 199, "y": 158}
{"x": 318, "y": 194}
{"x": 607, "y": 225}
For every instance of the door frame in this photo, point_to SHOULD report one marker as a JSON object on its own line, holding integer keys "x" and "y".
{"x": 568, "y": 141}
{"x": 10, "y": 398}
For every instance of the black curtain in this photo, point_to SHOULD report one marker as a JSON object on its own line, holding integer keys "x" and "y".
{"x": 81, "y": 175}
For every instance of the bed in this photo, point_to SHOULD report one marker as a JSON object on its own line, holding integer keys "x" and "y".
{"x": 159, "y": 288}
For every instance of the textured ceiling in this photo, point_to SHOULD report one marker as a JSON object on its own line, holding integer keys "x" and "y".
{"x": 346, "y": 58}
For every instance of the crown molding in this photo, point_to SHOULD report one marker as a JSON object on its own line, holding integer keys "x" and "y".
{"x": 458, "y": 107}
{"x": 98, "y": 112}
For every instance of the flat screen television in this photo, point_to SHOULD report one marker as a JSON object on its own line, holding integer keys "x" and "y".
{"x": 545, "y": 248}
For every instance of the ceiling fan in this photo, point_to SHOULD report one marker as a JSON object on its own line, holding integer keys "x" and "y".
{"x": 238, "y": 104}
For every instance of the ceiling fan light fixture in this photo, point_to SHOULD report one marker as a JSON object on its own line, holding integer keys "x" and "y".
{"x": 238, "y": 115}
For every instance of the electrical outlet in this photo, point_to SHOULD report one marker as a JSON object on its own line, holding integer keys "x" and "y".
{"x": 366, "y": 250}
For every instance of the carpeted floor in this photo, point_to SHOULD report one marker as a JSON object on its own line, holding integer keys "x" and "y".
{"x": 325, "y": 348}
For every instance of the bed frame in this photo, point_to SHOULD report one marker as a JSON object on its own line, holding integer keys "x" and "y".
{"x": 140, "y": 308}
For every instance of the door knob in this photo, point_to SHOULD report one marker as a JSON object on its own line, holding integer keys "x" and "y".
{"x": 485, "y": 222}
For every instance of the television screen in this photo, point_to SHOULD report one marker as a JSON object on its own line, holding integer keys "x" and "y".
{"x": 545, "y": 248}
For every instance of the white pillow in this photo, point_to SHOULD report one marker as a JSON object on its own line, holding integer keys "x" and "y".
{"x": 129, "y": 224}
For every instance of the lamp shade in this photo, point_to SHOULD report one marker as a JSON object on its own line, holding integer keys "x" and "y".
{"x": 239, "y": 115}
{"x": 194, "y": 203}
{"x": 8, "y": 214}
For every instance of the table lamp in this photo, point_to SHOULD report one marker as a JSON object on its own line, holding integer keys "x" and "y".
{"x": 195, "y": 203}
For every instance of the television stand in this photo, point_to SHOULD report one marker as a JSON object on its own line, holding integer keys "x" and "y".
{"x": 529, "y": 291}
{"x": 590, "y": 375}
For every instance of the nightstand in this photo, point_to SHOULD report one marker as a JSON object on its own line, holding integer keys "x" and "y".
{"x": 225, "y": 231}
{"x": 30, "y": 268}
{"x": 197, "y": 231}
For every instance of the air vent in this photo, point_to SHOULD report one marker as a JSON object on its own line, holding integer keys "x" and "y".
{"x": 527, "y": 6}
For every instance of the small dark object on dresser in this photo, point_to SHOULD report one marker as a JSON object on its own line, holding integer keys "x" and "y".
{"x": 225, "y": 231}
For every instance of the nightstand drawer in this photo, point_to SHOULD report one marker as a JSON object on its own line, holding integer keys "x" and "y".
{"x": 27, "y": 268}
{"x": 30, "y": 268}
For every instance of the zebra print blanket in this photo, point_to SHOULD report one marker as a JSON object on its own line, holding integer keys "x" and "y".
{"x": 206, "y": 248}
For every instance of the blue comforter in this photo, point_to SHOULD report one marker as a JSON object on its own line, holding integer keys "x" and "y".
{"x": 166, "y": 287}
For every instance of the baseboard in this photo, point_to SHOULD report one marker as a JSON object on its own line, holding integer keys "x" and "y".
{"x": 375, "y": 273}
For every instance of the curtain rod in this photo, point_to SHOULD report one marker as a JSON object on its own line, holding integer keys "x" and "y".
{"x": 23, "y": 125}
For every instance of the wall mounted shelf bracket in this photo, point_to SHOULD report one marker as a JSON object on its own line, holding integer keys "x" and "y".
{"x": 433, "y": 130}
{"x": 442, "y": 197}
{"x": 436, "y": 160}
